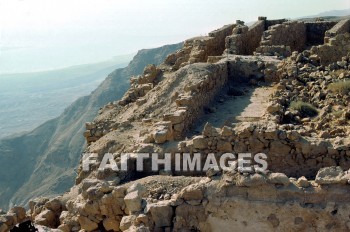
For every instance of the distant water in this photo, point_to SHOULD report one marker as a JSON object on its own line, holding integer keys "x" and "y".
{"x": 29, "y": 99}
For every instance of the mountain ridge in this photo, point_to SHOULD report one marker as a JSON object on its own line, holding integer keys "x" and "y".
{"x": 53, "y": 149}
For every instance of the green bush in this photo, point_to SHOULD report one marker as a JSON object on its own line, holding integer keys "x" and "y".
{"x": 341, "y": 87}
{"x": 305, "y": 109}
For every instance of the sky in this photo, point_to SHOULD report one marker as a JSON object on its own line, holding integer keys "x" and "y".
{"x": 47, "y": 34}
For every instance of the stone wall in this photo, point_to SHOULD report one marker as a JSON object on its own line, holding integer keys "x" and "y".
{"x": 198, "y": 49}
{"x": 256, "y": 202}
{"x": 244, "y": 40}
{"x": 203, "y": 88}
{"x": 219, "y": 39}
{"x": 333, "y": 50}
{"x": 315, "y": 31}
{"x": 269, "y": 23}
{"x": 289, "y": 34}
{"x": 287, "y": 151}
{"x": 196, "y": 95}
{"x": 340, "y": 28}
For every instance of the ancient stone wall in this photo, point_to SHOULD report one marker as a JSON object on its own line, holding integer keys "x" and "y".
{"x": 198, "y": 49}
{"x": 290, "y": 34}
{"x": 333, "y": 50}
{"x": 219, "y": 40}
{"x": 315, "y": 31}
{"x": 190, "y": 104}
{"x": 340, "y": 28}
{"x": 306, "y": 173}
{"x": 205, "y": 86}
{"x": 244, "y": 40}
{"x": 221, "y": 201}
{"x": 287, "y": 151}
{"x": 269, "y": 23}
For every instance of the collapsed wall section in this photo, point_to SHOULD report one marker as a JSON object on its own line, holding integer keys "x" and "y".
{"x": 198, "y": 49}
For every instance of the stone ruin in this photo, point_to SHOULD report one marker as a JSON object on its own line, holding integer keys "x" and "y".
{"x": 232, "y": 68}
{"x": 168, "y": 109}
{"x": 265, "y": 37}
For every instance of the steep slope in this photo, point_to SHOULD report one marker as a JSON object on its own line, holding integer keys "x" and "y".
{"x": 34, "y": 94}
{"x": 42, "y": 162}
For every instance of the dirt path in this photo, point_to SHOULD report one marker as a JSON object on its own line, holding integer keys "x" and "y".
{"x": 258, "y": 104}
{"x": 247, "y": 108}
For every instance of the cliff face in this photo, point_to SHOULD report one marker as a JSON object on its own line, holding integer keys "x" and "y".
{"x": 42, "y": 162}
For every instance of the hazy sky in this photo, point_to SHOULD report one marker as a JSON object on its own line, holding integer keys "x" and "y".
{"x": 46, "y": 34}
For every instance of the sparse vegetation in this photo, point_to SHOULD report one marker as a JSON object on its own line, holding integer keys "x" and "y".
{"x": 305, "y": 109}
{"x": 341, "y": 87}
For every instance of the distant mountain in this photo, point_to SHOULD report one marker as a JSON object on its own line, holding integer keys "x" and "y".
{"x": 42, "y": 162}
{"x": 337, "y": 13}
{"x": 333, "y": 15}
{"x": 35, "y": 94}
